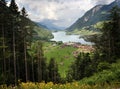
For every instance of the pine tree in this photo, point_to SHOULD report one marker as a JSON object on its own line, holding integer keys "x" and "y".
{"x": 3, "y": 2}
{"x": 53, "y": 71}
{"x": 115, "y": 31}
{"x": 13, "y": 7}
{"x": 108, "y": 43}
{"x": 5, "y": 53}
{"x": 14, "y": 11}
{"x": 32, "y": 54}
{"x": 24, "y": 12}
{"x": 80, "y": 68}
{"x": 24, "y": 30}
{"x": 40, "y": 58}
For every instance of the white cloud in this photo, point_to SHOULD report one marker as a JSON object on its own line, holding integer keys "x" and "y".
{"x": 63, "y": 12}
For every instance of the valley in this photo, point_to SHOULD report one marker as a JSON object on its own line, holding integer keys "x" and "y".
{"x": 59, "y": 44}
{"x": 64, "y": 49}
{"x": 64, "y": 53}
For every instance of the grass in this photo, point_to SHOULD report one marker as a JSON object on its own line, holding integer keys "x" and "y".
{"x": 62, "y": 55}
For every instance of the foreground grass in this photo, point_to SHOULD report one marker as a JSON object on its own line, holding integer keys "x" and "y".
{"x": 50, "y": 85}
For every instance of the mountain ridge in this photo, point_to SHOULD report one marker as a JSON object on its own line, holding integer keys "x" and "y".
{"x": 93, "y": 16}
{"x": 50, "y": 25}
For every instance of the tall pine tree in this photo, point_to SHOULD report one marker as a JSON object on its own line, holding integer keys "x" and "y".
{"x": 54, "y": 76}
{"x": 13, "y": 7}
{"x": 108, "y": 43}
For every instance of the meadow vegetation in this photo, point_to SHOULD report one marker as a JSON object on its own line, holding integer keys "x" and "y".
{"x": 63, "y": 55}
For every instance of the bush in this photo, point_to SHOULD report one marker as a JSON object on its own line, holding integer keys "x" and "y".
{"x": 103, "y": 66}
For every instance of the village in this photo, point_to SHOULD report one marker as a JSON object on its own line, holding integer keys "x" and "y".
{"x": 80, "y": 47}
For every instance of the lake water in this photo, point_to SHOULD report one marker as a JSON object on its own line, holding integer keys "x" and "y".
{"x": 61, "y": 36}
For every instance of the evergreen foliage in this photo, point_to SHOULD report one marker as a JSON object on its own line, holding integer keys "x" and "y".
{"x": 13, "y": 7}
{"x": 108, "y": 42}
{"x": 53, "y": 71}
{"x": 3, "y": 2}
{"x": 21, "y": 58}
{"x": 81, "y": 67}
{"x": 107, "y": 45}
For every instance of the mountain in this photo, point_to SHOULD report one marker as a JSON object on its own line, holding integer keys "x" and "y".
{"x": 96, "y": 14}
{"x": 41, "y": 32}
{"x": 41, "y": 25}
{"x": 49, "y": 24}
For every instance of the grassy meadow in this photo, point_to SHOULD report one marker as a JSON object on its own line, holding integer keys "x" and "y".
{"x": 63, "y": 55}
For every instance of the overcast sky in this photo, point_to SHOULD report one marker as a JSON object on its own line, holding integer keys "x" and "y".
{"x": 60, "y": 12}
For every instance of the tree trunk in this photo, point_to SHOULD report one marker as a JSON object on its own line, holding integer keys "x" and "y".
{"x": 3, "y": 35}
{"x": 39, "y": 63}
{"x": 25, "y": 56}
{"x": 33, "y": 79}
{"x": 14, "y": 55}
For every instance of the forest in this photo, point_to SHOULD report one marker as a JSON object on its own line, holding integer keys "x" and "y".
{"x": 22, "y": 59}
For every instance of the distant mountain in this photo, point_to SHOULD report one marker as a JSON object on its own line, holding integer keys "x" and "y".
{"x": 42, "y": 26}
{"x": 40, "y": 32}
{"x": 49, "y": 25}
{"x": 93, "y": 16}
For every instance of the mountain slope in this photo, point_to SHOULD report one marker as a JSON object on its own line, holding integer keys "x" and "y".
{"x": 49, "y": 24}
{"x": 40, "y": 32}
{"x": 96, "y": 14}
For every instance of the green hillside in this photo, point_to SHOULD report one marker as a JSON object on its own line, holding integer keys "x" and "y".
{"x": 88, "y": 30}
{"x": 41, "y": 33}
{"x": 38, "y": 32}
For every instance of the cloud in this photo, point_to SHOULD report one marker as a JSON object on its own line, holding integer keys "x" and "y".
{"x": 61, "y": 12}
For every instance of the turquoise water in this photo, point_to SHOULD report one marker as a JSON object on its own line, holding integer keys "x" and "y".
{"x": 61, "y": 36}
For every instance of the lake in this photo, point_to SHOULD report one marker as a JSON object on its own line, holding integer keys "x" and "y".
{"x": 61, "y": 36}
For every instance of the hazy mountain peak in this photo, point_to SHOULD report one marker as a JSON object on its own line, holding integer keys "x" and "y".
{"x": 93, "y": 16}
{"x": 96, "y": 8}
{"x": 117, "y": 0}
{"x": 93, "y": 12}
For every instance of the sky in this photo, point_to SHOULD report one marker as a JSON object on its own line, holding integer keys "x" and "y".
{"x": 62, "y": 13}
